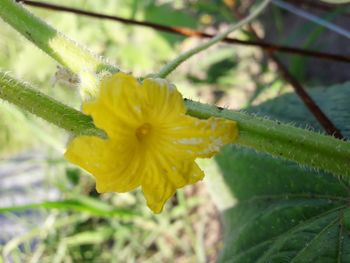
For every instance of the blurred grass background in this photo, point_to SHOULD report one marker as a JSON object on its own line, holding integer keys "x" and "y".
{"x": 49, "y": 209}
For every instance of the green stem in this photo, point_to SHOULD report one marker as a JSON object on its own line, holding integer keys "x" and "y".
{"x": 65, "y": 51}
{"x": 282, "y": 140}
{"x": 172, "y": 65}
{"x": 29, "y": 99}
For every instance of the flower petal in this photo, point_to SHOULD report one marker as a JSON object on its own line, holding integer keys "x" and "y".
{"x": 192, "y": 138}
{"x": 163, "y": 178}
{"x": 116, "y": 168}
{"x": 115, "y": 110}
{"x": 162, "y": 100}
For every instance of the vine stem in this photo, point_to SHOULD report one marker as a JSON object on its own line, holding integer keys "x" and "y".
{"x": 282, "y": 140}
{"x": 172, "y": 65}
{"x": 65, "y": 51}
{"x": 28, "y": 98}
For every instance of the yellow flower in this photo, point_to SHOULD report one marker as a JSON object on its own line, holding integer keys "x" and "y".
{"x": 151, "y": 142}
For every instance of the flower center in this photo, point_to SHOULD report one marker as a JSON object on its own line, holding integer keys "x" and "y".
{"x": 143, "y": 131}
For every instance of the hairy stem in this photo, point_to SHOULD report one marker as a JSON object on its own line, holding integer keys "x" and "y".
{"x": 304, "y": 147}
{"x": 282, "y": 140}
{"x": 172, "y": 65}
{"x": 29, "y": 99}
{"x": 65, "y": 51}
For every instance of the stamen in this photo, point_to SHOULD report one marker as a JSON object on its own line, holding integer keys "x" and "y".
{"x": 142, "y": 131}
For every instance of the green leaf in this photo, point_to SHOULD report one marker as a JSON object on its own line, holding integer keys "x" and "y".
{"x": 334, "y": 101}
{"x": 284, "y": 212}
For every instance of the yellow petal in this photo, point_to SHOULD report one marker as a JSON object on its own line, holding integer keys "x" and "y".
{"x": 162, "y": 179}
{"x": 115, "y": 110}
{"x": 162, "y": 101}
{"x": 115, "y": 167}
{"x": 191, "y": 137}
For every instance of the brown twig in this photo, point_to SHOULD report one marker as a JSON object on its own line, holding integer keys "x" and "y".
{"x": 326, "y": 123}
{"x": 190, "y": 32}
{"x": 321, "y": 117}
